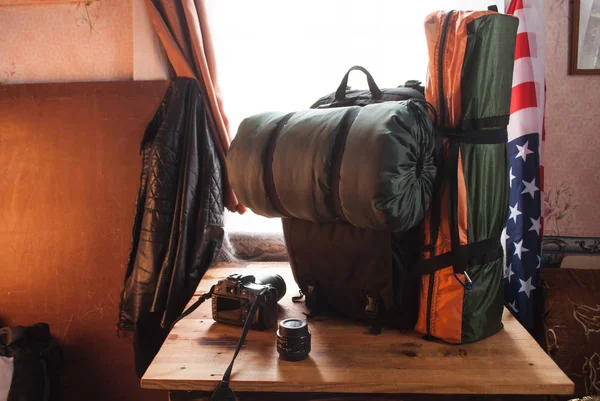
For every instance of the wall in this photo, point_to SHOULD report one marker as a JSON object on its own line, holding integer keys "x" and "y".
{"x": 105, "y": 40}
{"x": 149, "y": 58}
{"x": 70, "y": 174}
{"x": 571, "y": 161}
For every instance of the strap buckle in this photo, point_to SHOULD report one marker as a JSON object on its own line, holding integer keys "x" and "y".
{"x": 372, "y": 307}
{"x": 468, "y": 284}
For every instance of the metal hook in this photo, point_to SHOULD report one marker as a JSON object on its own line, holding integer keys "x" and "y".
{"x": 468, "y": 284}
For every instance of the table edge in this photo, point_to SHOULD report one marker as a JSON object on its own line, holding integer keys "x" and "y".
{"x": 565, "y": 388}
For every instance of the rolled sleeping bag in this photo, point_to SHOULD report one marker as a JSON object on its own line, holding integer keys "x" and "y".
{"x": 369, "y": 166}
{"x": 471, "y": 66}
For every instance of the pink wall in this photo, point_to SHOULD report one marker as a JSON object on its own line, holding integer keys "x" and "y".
{"x": 571, "y": 153}
{"x": 74, "y": 42}
{"x": 60, "y": 42}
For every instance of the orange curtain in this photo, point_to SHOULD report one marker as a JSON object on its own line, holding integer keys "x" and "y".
{"x": 183, "y": 30}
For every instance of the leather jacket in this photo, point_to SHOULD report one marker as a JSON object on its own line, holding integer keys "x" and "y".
{"x": 178, "y": 222}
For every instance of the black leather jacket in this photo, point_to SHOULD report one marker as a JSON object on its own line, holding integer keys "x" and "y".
{"x": 178, "y": 223}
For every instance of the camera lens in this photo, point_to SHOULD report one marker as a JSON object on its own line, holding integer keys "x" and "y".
{"x": 293, "y": 340}
{"x": 274, "y": 280}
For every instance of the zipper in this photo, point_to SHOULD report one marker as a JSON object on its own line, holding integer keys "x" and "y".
{"x": 442, "y": 114}
{"x": 441, "y": 69}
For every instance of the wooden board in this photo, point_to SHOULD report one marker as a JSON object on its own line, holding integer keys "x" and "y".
{"x": 345, "y": 358}
{"x": 69, "y": 175}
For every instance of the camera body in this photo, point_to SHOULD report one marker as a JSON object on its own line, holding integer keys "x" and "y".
{"x": 233, "y": 297}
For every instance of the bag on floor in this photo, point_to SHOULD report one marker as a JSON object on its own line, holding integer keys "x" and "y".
{"x": 31, "y": 360}
{"x": 471, "y": 57}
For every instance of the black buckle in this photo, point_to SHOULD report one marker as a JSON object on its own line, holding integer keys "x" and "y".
{"x": 372, "y": 308}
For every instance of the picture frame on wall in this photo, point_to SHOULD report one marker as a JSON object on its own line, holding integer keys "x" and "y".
{"x": 585, "y": 37}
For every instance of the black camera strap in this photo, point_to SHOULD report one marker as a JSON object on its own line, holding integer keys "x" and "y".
{"x": 195, "y": 305}
{"x": 224, "y": 392}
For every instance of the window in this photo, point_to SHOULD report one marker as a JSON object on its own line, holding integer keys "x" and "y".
{"x": 275, "y": 55}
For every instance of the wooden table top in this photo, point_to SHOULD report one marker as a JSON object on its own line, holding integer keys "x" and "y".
{"x": 345, "y": 358}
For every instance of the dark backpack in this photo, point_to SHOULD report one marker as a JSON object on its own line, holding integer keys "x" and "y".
{"x": 343, "y": 97}
{"x": 32, "y": 363}
{"x": 348, "y": 271}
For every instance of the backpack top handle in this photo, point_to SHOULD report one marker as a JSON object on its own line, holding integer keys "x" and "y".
{"x": 340, "y": 94}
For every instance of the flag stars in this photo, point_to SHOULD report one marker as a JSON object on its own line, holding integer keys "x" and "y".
{"x": 512, "y": 177}
{"x": 530, "y": 188}
{"x": 525, "y": 180}
{"x": 505, "y": 237}
{"x": 526, "y": 287}
{"x": 536, "y": 225}
{"x": 519, "y": 249}
{"x": 539, "y": 262}
{"x": 523, "y": 151}
{"x": 514, "y": 212}
{"x": 510, "y": 272}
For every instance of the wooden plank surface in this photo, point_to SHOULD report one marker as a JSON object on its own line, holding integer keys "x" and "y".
{"x": 69, "y": 176}
{"x": 345, "y": 358}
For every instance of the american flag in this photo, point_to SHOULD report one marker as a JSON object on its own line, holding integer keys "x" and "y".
{"x": 524, "y": 228}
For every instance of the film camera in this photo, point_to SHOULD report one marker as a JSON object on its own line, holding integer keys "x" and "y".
{"x": 233, "y": 297}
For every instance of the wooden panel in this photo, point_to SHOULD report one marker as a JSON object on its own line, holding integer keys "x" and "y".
{"x": 345, "y": 358}
{"x": 69, "y": 171}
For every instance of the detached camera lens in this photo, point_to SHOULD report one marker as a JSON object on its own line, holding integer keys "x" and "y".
{"x": 293, "y": 340}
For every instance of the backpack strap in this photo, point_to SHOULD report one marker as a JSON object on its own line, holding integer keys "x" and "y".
{"x": 336, "y": 154}
{"x": 461, "y": 256}
{"x": 475, "y": 253}
{"x": 268, "y": 178}
{"x": 373, "y": 312}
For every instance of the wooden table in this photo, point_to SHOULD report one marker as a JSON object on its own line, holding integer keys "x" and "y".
{"x": 345, "y": 358}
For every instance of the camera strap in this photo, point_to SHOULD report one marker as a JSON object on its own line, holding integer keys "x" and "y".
{"x": 224, "y": 392}
{"x": 195, "y": 305}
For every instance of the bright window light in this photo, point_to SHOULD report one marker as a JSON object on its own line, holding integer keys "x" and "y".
{"x": 277, "y": 55}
